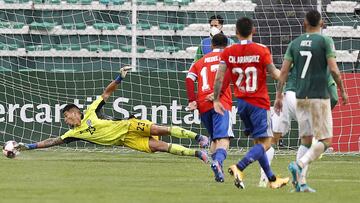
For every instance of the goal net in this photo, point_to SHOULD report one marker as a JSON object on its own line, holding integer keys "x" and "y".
{"x": 55, "y": 52}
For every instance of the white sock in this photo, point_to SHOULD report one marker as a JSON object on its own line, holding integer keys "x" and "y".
{"x": 270, "y": 155}
{"x": 300, "y": 153}
{"x": 312, "y": 154}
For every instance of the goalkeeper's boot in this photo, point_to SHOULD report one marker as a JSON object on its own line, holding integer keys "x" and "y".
{"x": 202, "y": 155}
{"x": 278, "y": 183}
{"x": 203, "y": 141}
{"x": 218, "y": 172}
{"x": 295, "y": 171}
{"x": 305, "y": 188}
{"x": 238, "y": 176}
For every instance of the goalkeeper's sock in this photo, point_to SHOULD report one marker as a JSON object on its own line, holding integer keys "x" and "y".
{"x": 254, "y": 154}
{"x": 300, "y": 153}
{"x": 219, "y": 155}
{"x": 180, "y": 150}
{"x": 179, "y": 132}
{"x": 312, "y": 154}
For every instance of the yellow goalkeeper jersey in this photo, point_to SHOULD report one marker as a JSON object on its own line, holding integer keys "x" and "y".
{"x": 96, "y": 130}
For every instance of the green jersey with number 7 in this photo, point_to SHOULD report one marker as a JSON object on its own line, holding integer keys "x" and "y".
{"x": 309, "y": 53}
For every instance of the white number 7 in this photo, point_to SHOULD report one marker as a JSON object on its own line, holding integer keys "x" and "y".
{"x": 307, "y": 62}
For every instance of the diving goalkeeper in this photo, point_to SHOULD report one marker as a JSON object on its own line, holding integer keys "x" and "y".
{"x": 133, "y": 133}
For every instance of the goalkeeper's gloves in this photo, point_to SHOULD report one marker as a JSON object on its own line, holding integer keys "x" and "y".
{"x": 123, "y": 71}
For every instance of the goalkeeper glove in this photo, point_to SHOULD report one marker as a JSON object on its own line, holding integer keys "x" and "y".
{"x": 123, "y": 72}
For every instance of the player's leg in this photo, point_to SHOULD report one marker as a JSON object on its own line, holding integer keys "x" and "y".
{"x": 161, "y": 146}
{"x": 305, "y": 136}
{"x": 178, "y": 132}
{"x": 322, "y": 127}
{"x": 278, "y": 127}
{"x": 262, "y": 135}
{"x": 244, "y": 115}
{"x": 320, "y": 118}
{"x": 273, "y": 181}
{"x": 305, "y": 133}
{"x": 305, "y": 144}
{"x": 206, "y": 120}
{"x": 219, "y": 128}
{"x": 139, "y": 137}
{"x": 218, "y": 156}
{"x": 222, "y": 132}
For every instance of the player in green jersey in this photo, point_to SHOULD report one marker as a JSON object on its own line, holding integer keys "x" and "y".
{"x": 140, "y": 135}
{"x": 281, "y": 123}
{"x": 312, "y": 55}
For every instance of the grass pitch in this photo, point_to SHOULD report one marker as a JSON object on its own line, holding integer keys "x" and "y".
{"x": 57, "y": 176}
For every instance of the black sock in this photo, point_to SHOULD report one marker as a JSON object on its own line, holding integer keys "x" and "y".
{"x": 272, "y": 178}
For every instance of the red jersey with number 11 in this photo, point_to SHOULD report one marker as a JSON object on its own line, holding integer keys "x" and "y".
{"x": 204, "y": 70}
{"x": 247, "y": 63}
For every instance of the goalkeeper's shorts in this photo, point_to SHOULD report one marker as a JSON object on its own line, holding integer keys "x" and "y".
{"x": 138, "y": 135}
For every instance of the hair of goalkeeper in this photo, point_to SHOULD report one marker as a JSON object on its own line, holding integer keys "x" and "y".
{"x": 68, "y": 107}
{"x": 218, "y": 18}
{"x": 219, "y": 40}
{"x": 244, "y": 26}
{"x": 313, "y": 17}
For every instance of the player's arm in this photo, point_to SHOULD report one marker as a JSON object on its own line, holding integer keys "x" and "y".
{"x": 42, "y": 144}
{"x": 335, "y": 72}
{"x": 285, "y": 69}
{"x": 273, "y": 71}
{"x": 190, "y": 89}
{"x": 113, "y": 85}
{"x": 219, "y": 79}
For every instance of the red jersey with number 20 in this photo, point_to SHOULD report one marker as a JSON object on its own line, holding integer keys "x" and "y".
{"x": 204, "y": 70}
{"x": 247, "y": 63}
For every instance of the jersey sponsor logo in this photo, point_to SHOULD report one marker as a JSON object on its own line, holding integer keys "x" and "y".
{"x": 244, "y": 59}
{"x": 90, "y": 128}
{"x": 166, "y": 113}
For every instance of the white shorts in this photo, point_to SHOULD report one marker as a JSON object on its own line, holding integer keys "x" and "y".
{"x": 314, "y": 118}
{"x": 281, "y": 123}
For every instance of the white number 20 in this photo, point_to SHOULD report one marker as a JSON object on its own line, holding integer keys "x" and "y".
{"x": 250, "y": 81}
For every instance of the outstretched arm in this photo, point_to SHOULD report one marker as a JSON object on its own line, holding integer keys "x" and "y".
{"x": 42, "y": 144}
{"x": 113, "y": 85}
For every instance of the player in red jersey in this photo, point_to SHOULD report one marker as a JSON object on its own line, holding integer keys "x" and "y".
{"x": 218, "y": 126}
{"x": 248, "y": 63}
